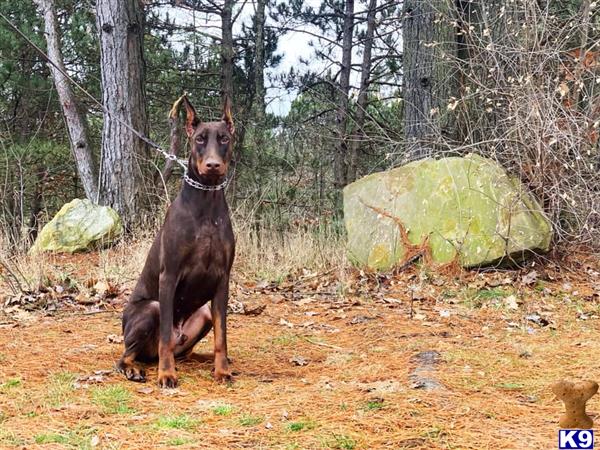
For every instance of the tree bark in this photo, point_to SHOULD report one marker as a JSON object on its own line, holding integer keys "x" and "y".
{"x": 124, "y": 156}
{"x": 75, "y": 120}
{"x": 429, "y": 47}
{"x": 340, "y": 166}
{"x": 259, "y": 63}
{"x": 361, "y": 103}
{"x": 227, "y": 50}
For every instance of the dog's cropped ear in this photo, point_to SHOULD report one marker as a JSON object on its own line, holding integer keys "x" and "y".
{"x": 227, "y": 117}
{"x": 191, "y": 118}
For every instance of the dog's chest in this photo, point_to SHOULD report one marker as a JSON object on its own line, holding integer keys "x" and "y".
{"x": 206, "y": 264}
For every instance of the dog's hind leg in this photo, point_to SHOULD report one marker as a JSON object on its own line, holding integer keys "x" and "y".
{"x": 192, "y": 331}
{"x": 140, "y": 336}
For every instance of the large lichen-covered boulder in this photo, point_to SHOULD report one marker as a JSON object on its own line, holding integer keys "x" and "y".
{"x": 79, "y": 225}
{"x": 464, "y": 209}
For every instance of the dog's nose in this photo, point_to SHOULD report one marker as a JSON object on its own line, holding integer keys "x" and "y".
{"x": 213, "y": 165}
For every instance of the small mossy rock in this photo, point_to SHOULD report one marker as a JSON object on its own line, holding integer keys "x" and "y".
{"x": 458, "y": 208}
{"x": 79, "y": 225}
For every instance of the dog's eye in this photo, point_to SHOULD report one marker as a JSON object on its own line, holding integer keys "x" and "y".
{"x": 200, "y": 139}
{"x": 224, "y": 140}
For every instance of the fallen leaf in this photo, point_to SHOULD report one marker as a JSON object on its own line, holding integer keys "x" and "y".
{"x": 299, "y": 360}
{"x": 282, "y": 321}
{"x": 255, "y": 311}
{"x": 530, "y": 278}
{"x": 562, "y": 89}
{"x": 145, "y": 390}
{"x": 114, "y": 339}
{"x": 538, "y": 320}
{"x": 511, "y": 302}
{"x": 360, "y": 319}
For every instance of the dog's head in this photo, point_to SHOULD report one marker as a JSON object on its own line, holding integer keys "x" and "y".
{"x": 210, "y": 143}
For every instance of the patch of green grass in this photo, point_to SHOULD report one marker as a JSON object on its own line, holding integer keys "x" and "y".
{"x": 181, "y": 422}
{"x": 79, "y": 438}
{"x": 510, "y": 385}
{"x": 374, "y": 405}
{"x": 491, "y": 294}
{"x": 343, "y": 442}
{"x": 343, "y": 406}
{"x": 11, "y": 383}
{"x": 51, "y": 438}
{"x": 60, "y": 388}
{"x": 112, "y": 399}
{"x": 448, "y": 293}
{"x": 222, "y": 410}
{"x": 476, "y": 298}
{"x": 292, "y": 446}
{"x": 300, "y": 425}
{"x": 285, "y": 340}
{"x": 179, "y": 441}
{"x": 250, "y": 421}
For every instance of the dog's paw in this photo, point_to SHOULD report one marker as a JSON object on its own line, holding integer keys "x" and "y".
{"x": 167, "y": 380}
{"x": 136, "y": 374}
{"x": 132, "y": 371}
{"x": 223, "y": 376}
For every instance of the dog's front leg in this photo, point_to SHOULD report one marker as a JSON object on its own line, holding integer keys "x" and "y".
{"x": 219, "y": 316}
{"x": 166, "y": 342}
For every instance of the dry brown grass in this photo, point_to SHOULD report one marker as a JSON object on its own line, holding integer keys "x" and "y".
{"x": 263, "y": 254}
{"x": 271, "y": 255}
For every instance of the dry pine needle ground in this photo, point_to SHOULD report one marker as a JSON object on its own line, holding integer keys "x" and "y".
{"x": 318, "y": 368}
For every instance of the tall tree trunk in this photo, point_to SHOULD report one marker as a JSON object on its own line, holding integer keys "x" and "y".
{"x": 259, "y": 63}
{"x": 340, "y": 166}
{"x": 121, "y": 25}
{"x": 258, "y": 105}
{"x": 429, "y": 47}
{"x": 227, "y": 50}
{"x": 365, "y": 79}
{"x": 74, "y": 118}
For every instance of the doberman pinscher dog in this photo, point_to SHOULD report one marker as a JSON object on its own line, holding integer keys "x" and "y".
{"x": 188, "y": 264}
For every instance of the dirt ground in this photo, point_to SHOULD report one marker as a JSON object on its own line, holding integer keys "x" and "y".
{"x": 407, "y": 361}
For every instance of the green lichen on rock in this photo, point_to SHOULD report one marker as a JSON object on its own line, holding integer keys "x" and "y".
{"x": 462, "y": 208}
{"x": 79, "y": 225}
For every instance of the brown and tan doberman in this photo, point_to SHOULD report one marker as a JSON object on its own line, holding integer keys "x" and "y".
{"x": 188, "y": 264}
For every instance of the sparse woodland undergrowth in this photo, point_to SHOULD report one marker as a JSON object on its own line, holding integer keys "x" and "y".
{"x": 261, "y": 254}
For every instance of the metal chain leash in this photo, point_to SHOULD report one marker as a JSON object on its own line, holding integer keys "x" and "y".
{"x": 183, "y": 163}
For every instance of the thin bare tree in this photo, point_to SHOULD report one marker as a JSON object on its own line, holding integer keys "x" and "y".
{"x": 365, "y": 81}
{"x": 341, "y": 154}
{"x": 75, "y": 118}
